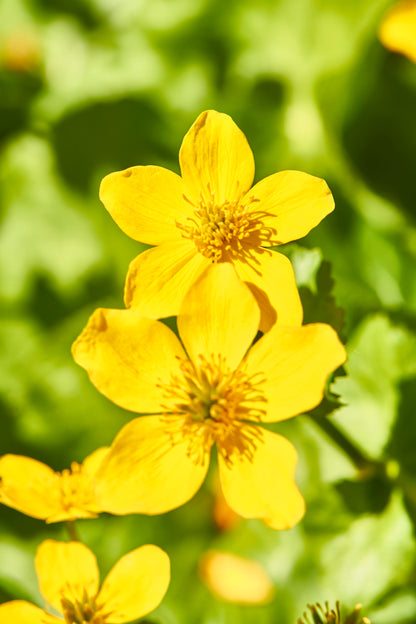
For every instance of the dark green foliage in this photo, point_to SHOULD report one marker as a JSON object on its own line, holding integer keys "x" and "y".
{"x": 109, "y": 136}
{"x": 17, "y": 91}
{"x": 319, "y": 305}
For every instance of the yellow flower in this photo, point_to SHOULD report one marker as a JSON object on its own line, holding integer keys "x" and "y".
{"x": 214, "y": 392}
{"x": 398, "y": 29}
{"x": 38, "y": 491}
{"x": 210, "y": 214}
{"x": 235, "y": 579}
{"x": 69, "y": 581}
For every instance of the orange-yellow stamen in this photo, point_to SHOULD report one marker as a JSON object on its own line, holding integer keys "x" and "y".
{"x": 214, "y": 404}
{"x": 227, "y": 230}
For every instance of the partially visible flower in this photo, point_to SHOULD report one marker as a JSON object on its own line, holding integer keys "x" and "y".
{"x": 325, "y": 615}
{"x": 235, "y": 579}
{"x": 211, "y": 214}
{"x": 214, "y": 389}
{"x": 69, "y": 582}
{"x": 398, "y": 29}
{"x": 38, "y": 491}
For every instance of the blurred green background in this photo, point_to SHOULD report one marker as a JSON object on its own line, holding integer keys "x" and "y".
{"x": 92, "y": 86}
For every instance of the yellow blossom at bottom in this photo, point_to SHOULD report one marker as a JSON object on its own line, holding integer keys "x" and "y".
{"x": 38, "y": 491}
{"x": 235, "y": 579}
{"x": 210, "y": 389}
{"x": 398, "y": 29}
{"x": 69, "y": 581}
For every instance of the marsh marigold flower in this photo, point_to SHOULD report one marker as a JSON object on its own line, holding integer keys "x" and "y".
{"x": 211, "y": 215}
{"x": 38, "y": 491}
{"x": 398, "y": 29}
{"x": 69, "y": 582}
{"x": 213, "y": 389}
{"x": 235, "y": 579}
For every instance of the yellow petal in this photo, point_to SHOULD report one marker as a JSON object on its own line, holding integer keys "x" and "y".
{"x": 295, "y": 363}
{"x": 136, "y": 584}
{"x": 73, "y": 513}
{"x": 66, "y": 570}
{"x": 127, "y": 356}
{"x": 159, "y": 278}
{"x": 235, "y": 579}
{"x": 263, "y": 486}
{"x": 215, "y": 158}
{"x": 146, "y": 202}
{"x": 29, "y": 486}
{"x": 148, "y": 469}
{"x": 398, "y": 29}
{"x": 91, "y": 463}
{"x": 294, "y": 203}
{"x": 22, "y": 612}
{"x": 272, "y": 282}
{"x": 219, "y": 315}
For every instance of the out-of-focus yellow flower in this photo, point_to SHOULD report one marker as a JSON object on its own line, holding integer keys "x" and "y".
{"x": 214, "y": 392}
{"x": 69, "y": 581}
{"x": 38, "y": 491}
{"x": 398, "y": 29}
{"x": 235, "y": 579}
{"x": 20, "y": 52}
{"x": 210, "y": 214}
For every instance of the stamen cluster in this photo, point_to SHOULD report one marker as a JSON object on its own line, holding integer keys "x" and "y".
{"x": 214, "y": 403}
{"x": 81, "y": 611}
{"x": 224, "y": 231}
{"x": 73, "y": 489}
{"x": 325, "y": 615}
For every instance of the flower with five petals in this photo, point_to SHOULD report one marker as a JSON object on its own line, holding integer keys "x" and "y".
{"x": 36, "y": 490}
{"x": 213, "y": 389}
{"x": 210, "y": 214}
{"x": 69, "y": 581}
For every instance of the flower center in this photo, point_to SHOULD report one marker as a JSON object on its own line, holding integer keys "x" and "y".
{"x": 81, "y": 611}
{"x": 224, "y": 231}
{"x": 214, "y": 403}
{"x": 75, "y": 489}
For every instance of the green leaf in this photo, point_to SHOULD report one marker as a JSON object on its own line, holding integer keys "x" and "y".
{"x": 316, "y": 284}
{"x": 402, "y": 442}
{"x": 380, "y": 355}
{"x": 366, "y": 495}
{"x": 371, "y": 556}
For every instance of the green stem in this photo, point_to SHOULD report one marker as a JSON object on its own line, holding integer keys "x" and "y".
{"x": 72, "y": 531}
{"x": 352, "y": 450}
{"x": 388, "y": 468}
